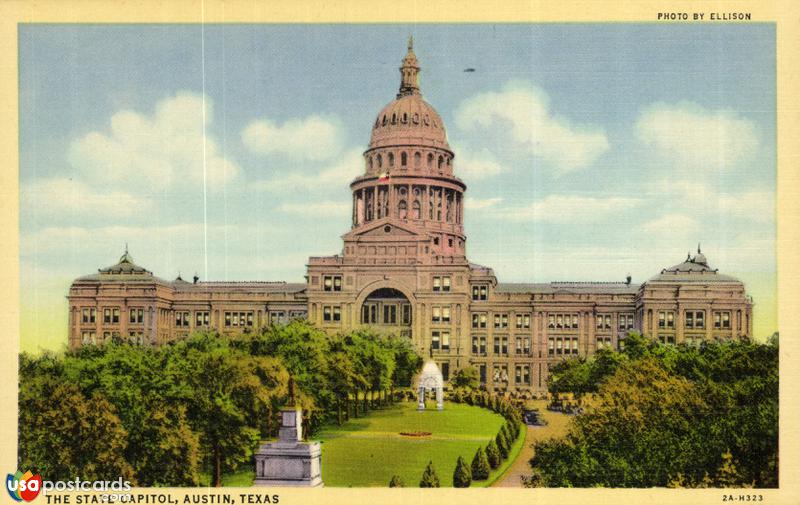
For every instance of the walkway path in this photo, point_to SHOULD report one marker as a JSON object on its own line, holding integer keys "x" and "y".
{"x": 556, "y": 427}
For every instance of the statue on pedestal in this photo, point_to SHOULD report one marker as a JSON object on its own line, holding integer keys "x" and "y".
{"x": 289, "y": 461}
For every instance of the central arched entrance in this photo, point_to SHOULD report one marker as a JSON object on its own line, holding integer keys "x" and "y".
{"x": 389, "y": 308}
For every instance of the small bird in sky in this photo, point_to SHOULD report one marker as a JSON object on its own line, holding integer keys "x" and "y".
{"x": 469, "y": 70}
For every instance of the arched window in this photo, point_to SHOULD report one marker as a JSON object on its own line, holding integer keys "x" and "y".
{"x": 426, "y": 120}
{"x": 403, "y": 159}
{"x": 416, "y": 118}
{"x": 402, "y": 209}
{"x": 449, "y": 213}
{"x": 415, "y": 210}
{"x": 384, "y": 120}
{"x": 391, "y": 159}
{"x": 369, "y": 162}
{"x": 417, "y": 159}
{"x": 405, "y": 118}
{"x": 380, "y": 161}
{"x": 441, "y": 162}
{"x": 430, "y": 160}
{"x": 394, "y": 118}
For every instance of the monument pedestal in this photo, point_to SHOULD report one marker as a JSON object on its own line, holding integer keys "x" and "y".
{"x": 289, "y": 461}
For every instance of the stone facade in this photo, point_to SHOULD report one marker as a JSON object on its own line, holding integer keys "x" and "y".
{"x": 404, "y": 269}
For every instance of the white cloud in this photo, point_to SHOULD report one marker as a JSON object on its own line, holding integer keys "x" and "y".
{"x": 65, "y": 198}
{"x": 675, "y": 225}
{"x": 689, "y": 134}
{"x": 477, "y": 164}
{"x": 571, "y": 208}
{"x": 315, "y": 177}
{"x": 526, "y": 109}
{"x": 481, "y": 203}
{"x": 758, "y": 206}
{"x": 319, "y": 209}
{"x": 312, "y": 138}
{"x": 165, "y": 150}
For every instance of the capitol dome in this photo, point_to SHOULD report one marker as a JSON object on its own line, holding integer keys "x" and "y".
{"x": 409, "y": 119}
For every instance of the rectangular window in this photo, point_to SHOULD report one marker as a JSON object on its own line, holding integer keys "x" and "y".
{"x": 445, "y": 368}
{"x": 479, "y": 346}
{"x": 106, "y": 316}
{"x": 135, "y": 316}
{"x": 88, "y": 337}
{"x": 523, "y": 321}
{"x": 695, "y": 319}
{"x": 500, "y": 373}
{"x": 333, "y": 313}
{"x": 574, "y": 345}
{"x": 435, "y": 342}
{"x": 599, "y": 322}
{"x": 201, "y": 319}
{"x": 559, "y": 345}
{"x": 501, "y": 320}
{"x": 574, "y": 321}
{"x": 551, "y": 321}
{"x": 482, "y": 373}
{"x": 89, "y": 316}
{"x": 332, "y": 282}
{"x": 182, "y": 319}
{"x": 479, "y": 320}
{"x": 436, "y": 315}
{"x": 406, "y": 314}
{"x": 390, "y": 314}
{"x": 441, "y": 283}
{"x": 551, "y": 346}
{"x": 479, "y": 293}
{"x": 662, "y": 319}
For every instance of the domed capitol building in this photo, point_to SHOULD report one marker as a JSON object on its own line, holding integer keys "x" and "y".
{"x": 403, "y": 269}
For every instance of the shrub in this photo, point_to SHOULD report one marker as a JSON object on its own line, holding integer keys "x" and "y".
{"x": 493, "y": 454}
{"x": 397, "y": 481}
{"x": 429, "y": 477}
{"x": 502, "y": 444}
{"x": 462, "y": 476}
{"x": 480, "y": 465}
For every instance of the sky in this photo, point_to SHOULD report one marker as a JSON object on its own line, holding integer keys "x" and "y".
{"x": 590, "y": 151}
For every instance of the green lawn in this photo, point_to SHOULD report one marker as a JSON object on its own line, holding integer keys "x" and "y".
{"x": 368, "y": 451}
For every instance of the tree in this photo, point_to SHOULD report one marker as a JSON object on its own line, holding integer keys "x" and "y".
{"x": 462, "y": 476}
{"x": 62, "y": 433}
{"x": 727, "y": 474}
{"x": 467, "y": 377}
{"x": 480, "y": 465}
{"x": 429, "y": 477}
{"x": 226, "y": 390}
{"x": 396, "y": 481}
{"x": 493, "y": 454}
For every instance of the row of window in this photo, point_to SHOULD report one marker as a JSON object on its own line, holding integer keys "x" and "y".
{"x": 694, "y": 319}
{"x": 440, "y": 340}
{"x": 384, "y": 313}
{"x": 557, "y": 346}
{"x": 523, "y": 345}
{"x": 239, "y": 318}
{"x": 522, "y": 374}
{"x": 377, "y": 161}
{"x": 479, "y": 320}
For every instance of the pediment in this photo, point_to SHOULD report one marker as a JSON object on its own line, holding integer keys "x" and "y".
{"x": 384, "y": 229}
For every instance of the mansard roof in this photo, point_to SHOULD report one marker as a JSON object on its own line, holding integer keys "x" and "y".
{"x": 615, "y": 288}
